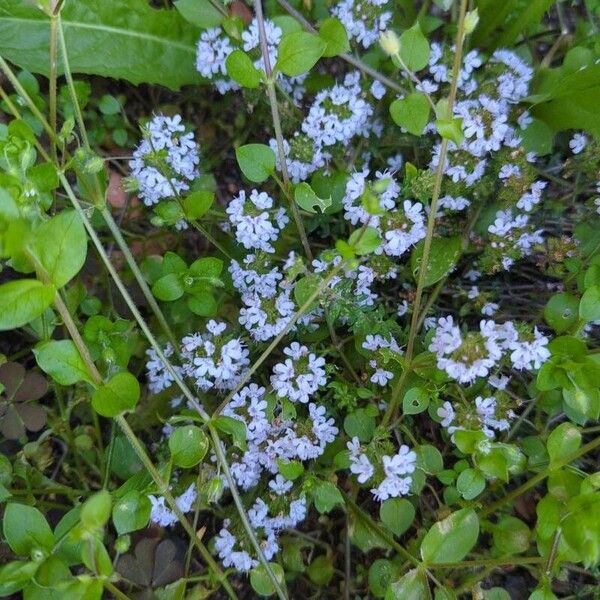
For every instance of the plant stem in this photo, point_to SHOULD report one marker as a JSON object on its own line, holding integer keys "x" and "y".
{"x": 52, "y": 84}
{"x": 139, "y": 277}
{"x": 439, "y": 175}
{"x": 272, "y": 96}
{"x": 244, "y": 518}
{"x": 114, "y": 590}
{"x": 530, "y": 483}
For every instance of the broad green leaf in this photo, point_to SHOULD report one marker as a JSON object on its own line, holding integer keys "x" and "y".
{"x": 95, "y": 511}
{"x": 61, "y": 246}
{"x": 413, "y": 586}
{"x": 25, "y": 529}
{"x": 381, "y": 574}
{"x": 561, "y": 312}
{"x": 123, "y": 39}
{"x": 168, "y": 288}
{"x": 196, "y": 204}
{"x": 443, "y": 256}
{"x": 119, "y": 394}
{"x": 563, "y": 440}
{"x": 298, "y": 52}
{"x": 188, "y": 446}
{"x": 256, "y": 161}
{"x": 589, "y": 307}
{"x": 360, "y": 424}
{"x": 470, "y": 483}
{"x": 199, "y": 12}
{"x": 333, "y": 33}
{"x": 511, "y": 536}
{"x": 411, "y": 112}
{"x": 415, "y": 401}
{"x": 397, "y": 514}
{"x": 15, "y": 575}
{"x": 538, "y": 138}
{"x": 364, "y": 241}
{"x": 242, "y": 70}
{"x": 261, "y": 582}
{"x": 320, "y": 570}
{"x": 203, "y": 304}
{"x": 309, "y": 201}
{"x": 451, "y": 539}
{"x": 207, "y": 269}
{"x": 233, "y": 427}
{"x": 414, "y": 48}
{"x": 131, "y": 512}
{"x": 22, "y": 301}
{"x": 290, "y": 469}
{"x": 451, "y": 129}
{"x": 62, "y": 361}
{"x": 326, "y": 496}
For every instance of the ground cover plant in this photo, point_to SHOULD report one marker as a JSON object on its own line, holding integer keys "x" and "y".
{"x": 299, "y": 299}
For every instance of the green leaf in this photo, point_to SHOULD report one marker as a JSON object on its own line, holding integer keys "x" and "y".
{"x": 364, "y": 241}
{"x": 242, "y": 70}
{"x": 333, "y": 33}
{"x": 199, "y": 12}
{"x": 413, "y": 586}
{"x": 95, "y": 511}
{"x": 261, "y": 582}
{"x": 235, "y": 428}
{"x": 561, "y": 312}
{"x": 470, "y": 483}
{"x": 298, "y": 52}
{"x": 397, "y": 514}
{"x": 443, "y": 256}
{"x": 360, "y": 424}
{"x": 15, "y": 575}
{"x": 381, "y": 574}
{"x": 131, "y": 512}
{"x": 188, "y": 446}
{"x": 414, "y": 48}
{"x": 109, "y": 105}
{"x": 511, "y": 536}
{"x": 25, "y": 529}
{"x": 415, "y": 401}
{"x": 451, "y": 539}
{"x": 290, "y": 469}
{"x": 119, "y": 394}
{"x": 207, "y": 269}
{"x": 451, "y": 129}
{"x": 256, "y": 161}
{"x": 307, "y": 199}
{"x": 411, "y": 112}
{"x": 197, "y": 204}
{"x": 326, "y": 496}
{"x": 538, "y": 138}
{"x": 22, "y": 301}
{"x": 168, "y": 288}
{"x": 62, "y": 361}
{"x": 203, "y": 304}
{"x": 563, "y": 440}
{"x": 320, "y": 570}
{"x": 123, "y": 39}
{"x": 589, "y": 307}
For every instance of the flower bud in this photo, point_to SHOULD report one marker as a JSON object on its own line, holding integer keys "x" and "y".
{"x": 471, "y": 20}
{"x": 389, "y": 43}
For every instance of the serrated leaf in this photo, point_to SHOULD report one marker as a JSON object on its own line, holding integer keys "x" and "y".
{"x": 123, "y": 39}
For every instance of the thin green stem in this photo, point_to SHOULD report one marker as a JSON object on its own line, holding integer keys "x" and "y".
{"x": 439, "y": 175}
{"x": 531, "y": 483}
{"x": 114, "y": 590}
{"x": 272, "y": 96}
{"x": 139, "y": 277}
{"x": 52, "y": 84}
{"x": 242, "y": 512}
